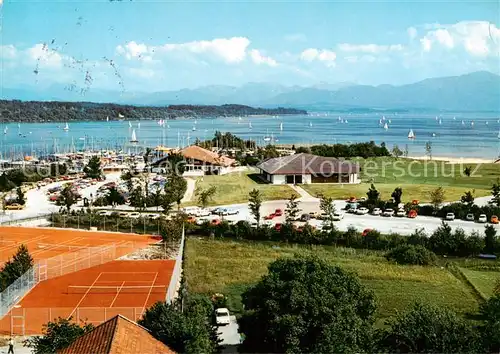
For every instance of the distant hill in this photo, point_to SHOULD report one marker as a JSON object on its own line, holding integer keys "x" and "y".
{"x": 478, "y": 91}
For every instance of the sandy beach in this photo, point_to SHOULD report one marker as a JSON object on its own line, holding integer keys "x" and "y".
{"x": 455, "y": 160}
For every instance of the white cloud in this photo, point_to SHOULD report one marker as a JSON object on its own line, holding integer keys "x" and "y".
{"x": 296, "y": 37}
{"x": 231, "y": 50}
{"x": 412, "y": 32}
{"x": 133, "y": 50}
{"x": 8, "y": 51}
{"x": 478, "y": 38}
{"x": 323, "y": 55}
{"x": 258, "y": 58}
{"x": 370, "y": 48}
{"x": 45, "y": 56}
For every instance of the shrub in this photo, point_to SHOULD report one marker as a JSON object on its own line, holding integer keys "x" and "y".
{"x": 411, "y": 254}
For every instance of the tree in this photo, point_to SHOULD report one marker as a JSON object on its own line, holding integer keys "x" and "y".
{"x": 167, "y": 203}
{"x": 302, "y": 149}
{"x": 292, "y": 209}
{"x": 176, "y": 164}
{"x": 93, "y": 168}
{"x": 67, "y": 197}
{"x": 146, "y": 156}
{"x": 188, "y": 331}
{"x": 490, "y": 239}
{"x": 427, "y": 328}
{"x": 396, "y": 151}
{"x": 373, "y": 194}
{"x": 327, "y": 206}
{"x": 396, "y": 195}
{"x": 113, "y": 197}
{"x": 437, "y": 197}
{"x": 137, "y": 198}
{"x": 156, "y": 198}
{"x": 495, "y": 192}
{"x": 411, "y": 254}
{"x": 428, "y": 149}
{"x": 57, "y": 336}
{"x": 468, "y": 198}
{"x": 205, "y": 196}
{"x": 176, "y": 187}
{"x": 12, "y": 269}
{"x": 490, "y": 330}
{"x": 20, "y": 196}
{"x": 306, "y": 305}
{"x": 467, "y": 171}
{"x": 254, "y": 204}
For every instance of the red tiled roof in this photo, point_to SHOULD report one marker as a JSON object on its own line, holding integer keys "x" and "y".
{"x": 118, "y": 335}
{"x": 198, "y": 153}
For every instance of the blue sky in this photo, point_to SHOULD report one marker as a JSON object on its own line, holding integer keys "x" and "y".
{"x": 166, "y": 45}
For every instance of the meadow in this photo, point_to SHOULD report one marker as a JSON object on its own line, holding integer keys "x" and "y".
{"x": 230, "y": 267}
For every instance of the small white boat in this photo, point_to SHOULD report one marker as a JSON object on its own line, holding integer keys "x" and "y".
{"x": 411, "y": 134}
{"x": 266, "y": 138}
{"x": 433, "y": 134}
{"x": 386, "y": 127}
{"x": 472, "y": 123}
{"x": 120, "y": 115}
{"x": 66, "y": 127}
{"x": 250, "y": 125}
{"x": 107, "y": 119}
{"x": 5, "y": 130}
{"x": 281, "y": 126}
{"x": 194, "y": 128}
{"x": 346, "y": 121}
{"x": 440, "y": 121}
{"x": 310, "y": 124}
{"x": 133, "y": 139}
{"x": 139, "y": 125}
{"x": 463, "y": 123}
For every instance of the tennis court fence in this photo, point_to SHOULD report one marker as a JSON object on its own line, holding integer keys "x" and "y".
{"x": 175, "y": 280}
{"x": 74, "y": 260}
{"x": 30, "y": 321}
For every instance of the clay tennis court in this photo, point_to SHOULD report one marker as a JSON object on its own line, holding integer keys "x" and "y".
{"x": 92, "y": 295}
{"x": 46, "y": 243}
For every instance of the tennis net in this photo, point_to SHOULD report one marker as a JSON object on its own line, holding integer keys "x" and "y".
{"x": 140, "y": 289}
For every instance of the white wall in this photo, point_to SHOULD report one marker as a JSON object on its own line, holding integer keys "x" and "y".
{"x": 278, "y": 179}
{"x": 306, "y": 179}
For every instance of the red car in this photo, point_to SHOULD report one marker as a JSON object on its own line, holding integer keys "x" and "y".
{"x": 277, "y": 226}
{"x": 278, "y": 212}
{"x": 365, "y": 232}
{"x": 269, "y": 217}
{"x": 412, "y": 214}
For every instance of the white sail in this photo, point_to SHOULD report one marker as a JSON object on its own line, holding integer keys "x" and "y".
{"x": 454, "y": 118}
{"x": 472, "y": 123}
{"x": 66, "y": 127}
{"x": 498, "y": 134}
{"x": 5, "y": 130}
{"x": 139, "y": 125}
{"x": 411, "y": 134}
{"x": 440, "y": 121}
{"x": 107, "y": 119}
{"x": 120, "y": 115}
{"x": 129, "y": 124}
{"x": 281, "y": 126}
{"x": 386, "y": 126}
{"x": 390, "y": 121}
{"x": 310, "y": 124}
{"x": 380, "y": 121}
{"x": 194, "y": 128}
{"x": 133, "y": 139}
{"x": 250, "y": 125}
{"x": 463, "y": 123}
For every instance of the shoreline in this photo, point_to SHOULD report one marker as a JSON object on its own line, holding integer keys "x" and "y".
{"x": 454, "y": 160}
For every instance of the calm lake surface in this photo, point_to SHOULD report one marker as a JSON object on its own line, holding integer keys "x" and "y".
{"x": 477, "y": 136}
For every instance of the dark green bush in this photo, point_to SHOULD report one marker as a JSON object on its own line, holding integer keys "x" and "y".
{"x": 411, "y": 254}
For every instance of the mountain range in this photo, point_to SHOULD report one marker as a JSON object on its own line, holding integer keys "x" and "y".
{"x": 478, "y": 91}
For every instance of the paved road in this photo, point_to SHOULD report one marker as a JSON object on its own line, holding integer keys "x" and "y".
{"x": 229, "y": 334}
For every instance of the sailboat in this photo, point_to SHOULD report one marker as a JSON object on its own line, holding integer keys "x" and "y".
{"x": 250, "y": 125}
{"x": 107, "y": 119}
{"x": 390, "y": 121}
{"x": 267, "y": 138}
{"x": 66, "y": 127}
{"x": 472, "y": 123}
{"x": 5, "y": 130}
{"x": 440, "y": 121}
{"x": 454, "y": 118}
{"x": 129, "y": 124}
{"x": 120, "y": 115}
{"x": 281, "y": 126}
{"x": 310, "y": 124}
{"x": 194, "y": 128}
{"x": 139, "y": 125}
{"x": 411, "y": 134}
{"x": 499, "y": 134}
{"x": 386, "y": 127}
{"x": 380, "y": 121}
{"x": 133, "y": 139}
{"x": 463, "y": 123}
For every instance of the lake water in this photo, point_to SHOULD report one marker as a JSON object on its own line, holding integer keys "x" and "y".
{"x": 452, "y": 138}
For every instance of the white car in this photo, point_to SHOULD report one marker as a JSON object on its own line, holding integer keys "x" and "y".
{"x": 482, "y": 218}
{"x": 376, "y": 211}
{"x": 202, "y": 212}
{"x": 401, "y": 213}
{"x": 232, "y": 211}
{"x": 362, "y": 211}
{"x": 103, "y": 213}
{"x": 450, "y": 216}
{"x": 388, "y": 212}
{"x": 337, "y": 216}
{"x": 134, "y": 215}
{"x": 470, "y": 217}
{"x": 222, "y": 317}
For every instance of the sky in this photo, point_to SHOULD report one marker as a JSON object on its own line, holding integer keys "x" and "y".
{"x": 157, "y": 45}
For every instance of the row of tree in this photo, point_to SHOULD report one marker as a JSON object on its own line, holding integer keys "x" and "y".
{"x": 364, "y": 150}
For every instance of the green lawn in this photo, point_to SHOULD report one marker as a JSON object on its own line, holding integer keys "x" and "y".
{"x": 234, "y": 188}
{"x": 484, "y": 281}
{"x": 229, "y": 267}
{"x": 420, "y": 192}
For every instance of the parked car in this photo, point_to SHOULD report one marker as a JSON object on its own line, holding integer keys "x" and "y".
{"x": 14, "y": 206}
{"x": 376, "y": 211}
{"x": 269, "y": 217}
{"x": 314, "y": 215}
{"x": 202, "y": 212}
{"x": 482, "y": 218}
{"x": 217, "y": 211}
{"x": 362, "y": 211}
{"x": 337, "y": 216}
{"x": 469, "y": 217}
{"x": 191, "y": 210}
{"x": 305, "y": 217}
{"x": 222, "y": 317}
{"x": 401, "y": 213}
{"x": 103, "y": 213}
{"x": 191, "y": 219}
{"x": 412, "y": 214}
{"x": 351, "y": 209}
{"x": 388, "y": 212}
{"x": 450, "y": 216}
{"x": 278, "y": 212}
{"x": 494, "y": 219}
{"x": 123, "y": 214}
{"x": 134, "y": 215}
{"x": 232, "y": 211}
{"x": 365, "y": 232}
{"x": 215, "y": 222}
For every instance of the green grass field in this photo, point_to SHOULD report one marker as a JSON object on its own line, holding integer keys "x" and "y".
{"x": 234, "y": 188}
{"x": 416, "y": 177}
{"x": 484, "y": 281}
{"x": 229, "y": 267}
{"x": 420, "y": 192}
